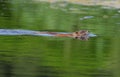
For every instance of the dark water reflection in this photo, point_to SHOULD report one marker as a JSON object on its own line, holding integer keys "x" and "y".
{"x": 33, "y": 56}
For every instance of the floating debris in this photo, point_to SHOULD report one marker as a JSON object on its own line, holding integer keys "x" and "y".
{"x": 86, "y": 17}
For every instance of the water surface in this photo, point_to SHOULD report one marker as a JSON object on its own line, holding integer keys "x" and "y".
{"x": 33, "y": 56}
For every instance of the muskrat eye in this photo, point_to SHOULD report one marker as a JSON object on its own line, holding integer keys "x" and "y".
{"x": 76, "y": 32}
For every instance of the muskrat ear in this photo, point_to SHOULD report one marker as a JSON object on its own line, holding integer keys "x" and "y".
{"x": 87, "y": 31}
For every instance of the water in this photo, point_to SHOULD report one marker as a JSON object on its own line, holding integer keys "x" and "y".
{"x": 33, "y": 56}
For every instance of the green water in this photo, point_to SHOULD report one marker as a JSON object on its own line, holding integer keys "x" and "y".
{"x": 35, "y": 56}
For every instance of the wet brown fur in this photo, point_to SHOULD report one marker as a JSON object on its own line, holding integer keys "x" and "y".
{"x": 82, "y": 34}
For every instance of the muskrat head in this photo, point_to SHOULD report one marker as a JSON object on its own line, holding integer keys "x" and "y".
{"x": 82, "y": 35}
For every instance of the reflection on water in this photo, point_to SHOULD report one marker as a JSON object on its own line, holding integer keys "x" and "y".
{"x": 30, "y": 56}
{"x": 86, "y": 17}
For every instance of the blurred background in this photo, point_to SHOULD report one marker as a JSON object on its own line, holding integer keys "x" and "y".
{"x": 33, "y": 56}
